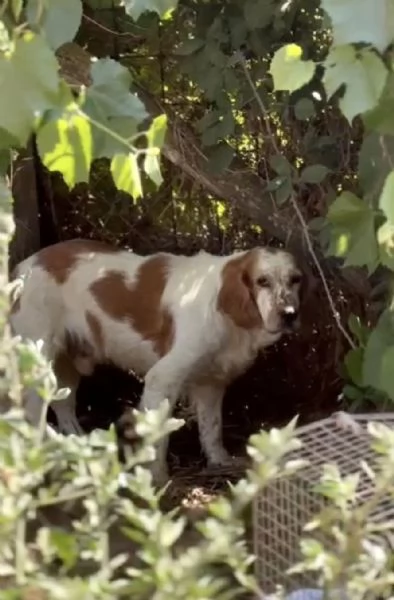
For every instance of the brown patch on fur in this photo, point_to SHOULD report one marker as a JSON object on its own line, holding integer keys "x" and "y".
{"x": 60, "y": 259}
{"x": 140, "y": 304}
{"x": 236, "y": 298}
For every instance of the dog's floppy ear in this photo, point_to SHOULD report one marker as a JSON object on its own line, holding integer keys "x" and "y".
{"x": 236, "y": 296}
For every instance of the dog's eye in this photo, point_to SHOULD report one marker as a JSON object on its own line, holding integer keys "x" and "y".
{"x": 295, "y": 280}
{"x": 263, "y": 282}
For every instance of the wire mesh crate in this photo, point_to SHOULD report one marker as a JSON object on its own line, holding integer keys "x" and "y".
{"x": 284, "y": 508}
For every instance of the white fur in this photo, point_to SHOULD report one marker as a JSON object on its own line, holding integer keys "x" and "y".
{"x": 208, "y": 352}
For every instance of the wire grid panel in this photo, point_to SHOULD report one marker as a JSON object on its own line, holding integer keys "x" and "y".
{"x": 283, "y": 509}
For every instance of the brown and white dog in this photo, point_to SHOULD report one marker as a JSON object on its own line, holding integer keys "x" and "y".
{"x": 188, "y": 325}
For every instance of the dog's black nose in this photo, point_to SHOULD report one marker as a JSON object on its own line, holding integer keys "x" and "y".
{"x": 289, "y": 315}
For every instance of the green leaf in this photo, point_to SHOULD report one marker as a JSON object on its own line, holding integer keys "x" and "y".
{"x": 110, "y": 103}
{"x": 190, "y": 47}
{"x": 135, "y": 8}
{"x": 258, "y": 14}
{"x": 29, "y": 85}
{"x": 363, "y": 73}
{"x": 155, "y": 138}
{"x": 314, "y": 174}
{"x": 357, "y": 328}
{"x": 121, "y": 130}
{"x": 110, "y": 91}
{"x": 152, "y": 166}
{"x": 66, "y": 546}
{"x": 126, "y": 174}
{"x": 59, "y": 21}
{"x": 378, "y": 369}
{"x": 280, "y": 165}
{"x": 353, "y": 231}
{"x": 284, "y": 191}
{"x": 65, "y": 145}
{"x": 220, "y": 157}
{"x": 157, "y": 132}
{"x": 304, "y": 109}
{"x": 374, "y": 164}
{"x": 354, "y": 365}
{"x": 386, "y": 202}
{"x": 288, "y": 70}
{"x": 223, "y": 127}
{"x": 356, "y": 21}
{"x": 385, "y": 237}
{"x": 381, "y": 118}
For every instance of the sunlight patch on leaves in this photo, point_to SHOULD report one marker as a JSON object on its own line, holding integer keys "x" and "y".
{"x": 135, "y": 8}
{"x": 65, "y": 145}
{"x": 29, "y": 84}
{"x": 126, "y": 174}
{"x": 353, "y": 231}
{"x": 363, "y": 73}
{"x": 155, "y": 137}
{"x": 288, "y": 70}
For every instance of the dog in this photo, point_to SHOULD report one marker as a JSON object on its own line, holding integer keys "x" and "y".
{"x": 188, "y": 324}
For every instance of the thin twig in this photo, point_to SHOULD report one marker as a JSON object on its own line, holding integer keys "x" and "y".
{"x": 111, "y": 31}
{"x": 298, "y": 212}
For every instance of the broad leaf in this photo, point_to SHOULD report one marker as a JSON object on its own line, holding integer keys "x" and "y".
{"x": 155, "y": 139}
{"x": 385, "y": 237}
{"x": 284, "y": 191}
{"x": 374, "y": 164}
{"x": 110, "y": 104}
{"x": 280, "y": 165}
{"x": 354, "y": 365}
{"x": 135, "y": 8}
{"x": 220, "y": 157}
{"x": 363, "y": 73}
{"x": 109, "y": 143}
{"x": 353, "y": 231}
{"x": 66, "y": 145}
{"x": 126, "y": 174}
{"x": 381, "y": 118}
{"x": 190, "y": 47}
{"x": 59, "y": 20}
{"x": 386, "y": 202}
{"x": 258, "y": 14}
{"x": 157, "y": 132}
{"x": 365, "y": 21}
{"x": 152, "y": 167}
{"x": 288, "y": 70}
{"x": 378, "y": 369}
{"x": 221, "y": 128}
{"x": 304, "y": 109}
{"x": 29, "y": 85}
{"x": 110, "y": 91}
{"x": 314, "y": 174}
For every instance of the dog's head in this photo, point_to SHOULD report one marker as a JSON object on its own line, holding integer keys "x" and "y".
{"x": 263, "y": 288}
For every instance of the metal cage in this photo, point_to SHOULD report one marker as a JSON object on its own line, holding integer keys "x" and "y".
{"x": 283, "y": 509}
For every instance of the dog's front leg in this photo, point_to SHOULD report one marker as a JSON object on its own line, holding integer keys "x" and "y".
{"x": 164, "y": 381}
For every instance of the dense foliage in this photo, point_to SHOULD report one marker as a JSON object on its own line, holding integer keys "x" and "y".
{"x": 285, "y": 71}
